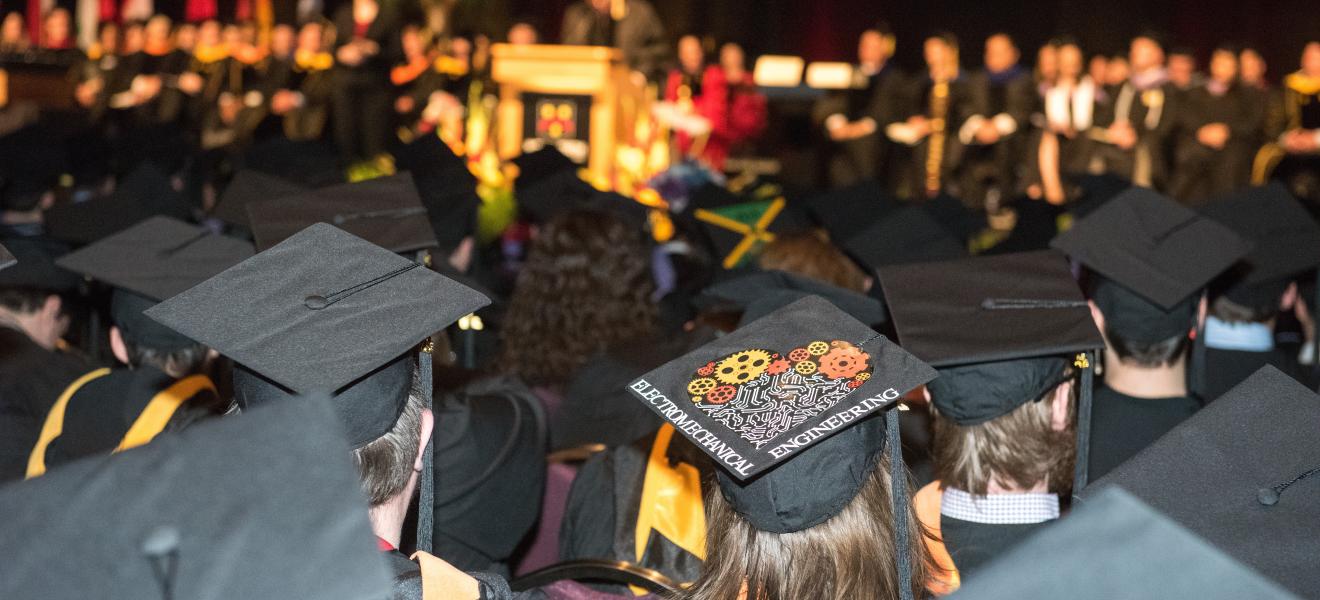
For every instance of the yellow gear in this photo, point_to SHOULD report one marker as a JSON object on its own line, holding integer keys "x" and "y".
{"x": 741, "y": 367}
{"x": 700, "y": 387}
{"x": 818, "y": 348}
{"x": 863, "y": 376}
{"x": 805, "y": 367}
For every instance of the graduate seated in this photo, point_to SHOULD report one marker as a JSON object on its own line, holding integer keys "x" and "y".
{"x": 1294, "y": 126}
{"x": 1009, "y": 336}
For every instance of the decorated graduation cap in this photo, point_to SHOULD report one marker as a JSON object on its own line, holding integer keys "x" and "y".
{"x": 1285, "y": 242}
{"x": 260, "y": 505}
{"x": 29, "y": 263}
{"x": 1243, "y": 473}
{"x": 143, "y": 193}
{"x": 448, "y": 189}
{"x": 906, "y": 235}
{"x": 1153, "y": 257}
{"x": 247, "y": 187}
{"x": 778, "y": 403}
{"x": 1002, "y": 331}
{"x": 761, "y": 292}
{"x": 326, "y": 311}
{"x": 1115, "y": 546}
{"x": 152, "y": 261}
{"x": 738, "y": 226}
{"x": 386, "y": 211}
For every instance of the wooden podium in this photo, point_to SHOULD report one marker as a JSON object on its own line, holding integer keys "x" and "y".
{"x": 575, "y": 93}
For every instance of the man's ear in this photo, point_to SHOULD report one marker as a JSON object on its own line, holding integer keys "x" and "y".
{"x": 1059, "y": 402}
{"x": 50, "y": 309}
{"x": 117, "y": 345}
{"x": 428, "y": 425}
{"x": 1202, "y": 309}
{"x": 1096, "y": 315}
{"x": 1289, "y": 298}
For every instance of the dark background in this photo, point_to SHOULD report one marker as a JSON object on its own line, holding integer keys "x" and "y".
{"x": 828, "y": 29}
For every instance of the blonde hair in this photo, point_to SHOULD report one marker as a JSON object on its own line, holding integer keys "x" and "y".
{"x": 810, "y": 254}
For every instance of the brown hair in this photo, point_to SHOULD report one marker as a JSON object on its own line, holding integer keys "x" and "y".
{"x": 386, "y": 464}
{"x": 852, "y": 555}
{"x": 585, "y": 287}
{"x": 1019, "y": 449}
{"x": 809, "y": 254}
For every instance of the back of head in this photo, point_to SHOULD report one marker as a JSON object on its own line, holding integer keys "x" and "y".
{"x": 385, "y": 465}
{"x": 809, "y": 254}
{"x": 852, "y": 555}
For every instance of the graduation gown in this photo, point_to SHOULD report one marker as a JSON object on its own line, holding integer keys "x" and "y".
{"x": 312, "y": 76}
{"x": 883, "y": 99}
{"x": 1153, "y": 110}
{"x": 1202, "y": 172}
{"x": 408, "y": 583}
{"x": 1224, "y": 369}
{"x": 974, "y": 545}
{"x": 31, "y": 379}
{"x": 1006, "y": 100}
{"x": 932, "y": 163}
{"x": 1297, "y": 106}
{"x": 103, "y": 406}
{"x": 1122, "y": 425}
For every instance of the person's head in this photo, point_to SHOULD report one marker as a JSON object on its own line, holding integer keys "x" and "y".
{"x": 1182, "y": 67}
{"x": 133, "y": 37}
{"x": 732, "y": 58}
{"x": 388, "y": 466}
{"x": 523, "y": 33}
{"x": 157, "y": 32}
{"x": 1118, "y": 70}
{"x": 601, "y": 6}
{"x": 1047, "y": 62}
{"x": 1001, "y": 53}
{"x": 107, "y": 35}
{"x": 941, "y": 53}
{"x": 1070, "y": 61}
{"x": 585, "y": 286}
{"x": 875, "y": 46}
{"x": 1030, "y": 448}
{"x": 175, "y": 362}
{"x": 809, "y": 254}
{"x": 282, "y": 40}
{"x": 851, "y": 555}
{"x": 248, "y": 34}
{"x": 1259, "y": 305}
{"x": 1252, "y": 66}
{"x": 1097, "y": 66}
{"x": 185, "y": 37}
{"x": 691, "y": 56}
{"x": 412, "y": 41}
{"x": 309, "y": 36}
{"x": 232, "y": 36}
{"x": 55, "y": 30}
{"x": 1224, "y": 65}
{"x": 38, "y": 313}
{"x": 12, "y": 32}
{"x": 1311, "y": 59}
{"x": 1145, "y": 53}
{"x": 460, "y": 47}
{"x": 209, "y": 34}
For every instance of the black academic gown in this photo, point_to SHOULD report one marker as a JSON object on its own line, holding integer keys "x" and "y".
{"x": 100, "y": 412}
{"x": 973, "y": 545}
{"x": 31, "y": 379}
{"x": 600, "y": 519}
{"x": 1202, "y": 172}
{"x": 883, "y": 99}
{"x": 1153, "y": 113}
{"x": 1224, "y": 369}
{"x": 1122, "y": 425}
{"x": 994, "y": 168}
{"x": 960, "y": 105}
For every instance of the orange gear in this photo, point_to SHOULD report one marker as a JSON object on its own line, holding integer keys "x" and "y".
{"x": 778, "y": 367}
{"x": 799, "y": 354}
{"x": 844, "y": 362}
{"x": 721, "y": 394}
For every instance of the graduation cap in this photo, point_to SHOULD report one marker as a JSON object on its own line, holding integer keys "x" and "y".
{"x": 251, "y": 186}
{"x": 150, "y": 262}
{"x": 1241, "y": 473}
{"x": 845, "y": 212}
{"x": 385, "y": 211}
{"x": 31, "y": 163}
{"x": 761, "y": 401}
{"x": 1285, "y": 238}
{"x": 535, "y": 167}
{"x": 953, "y": 214}
{"x": 1114, "y": 546}
{"x": 737, "y": 232}
{"x": 1095, "y": 191}
{"x": 1002, "y": 331}
{"x": 144, "y": 193}
{"x": 323, "y": 311}
{"x": 906, "y": 235}
{"x": 6, "y": 258}
{"x": 448, "y": 189}
{"x": 29, "y": 263}
{"x": 260, "y": 505}
{"x": 1153, "y": 256}
{"x": 762, "y": 292}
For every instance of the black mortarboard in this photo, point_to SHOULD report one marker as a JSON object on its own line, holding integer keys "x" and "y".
{"x": 1096, "y": 191}
{"x": 250, "y": 186}
{"x": 150, "y": 262}
{"x": 31, "y": 163}
{"x": 1002, "y": 330}
{"x": 845, "y": 212}
{"x": 760, "y": 293}
{"x": 905, "y": 235}
{"x": 144, "y": 193}
{"x": 1241, "y": 473}
{"x": 6, "y": 258}
{"x": 1285, "y": 238}
{"x": 565, "y": 190}
{"x": 1114, "y": 546}
{"x": 782, "y": 405}
{"x": 535, "y": 167}
{"x": 1154, "y": 256}
{"x": 386, "y": 211}
{"x": 323, "y": 311}
{"x": 448, "y": 189}
{"x": 261, "y": 505}
{"x": 33, "y": 266}
{"x": 737, "y": 232}
{"x": 953, "y": 214}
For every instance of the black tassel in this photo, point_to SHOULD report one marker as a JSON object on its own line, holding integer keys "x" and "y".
{"x": 899, "y": 497}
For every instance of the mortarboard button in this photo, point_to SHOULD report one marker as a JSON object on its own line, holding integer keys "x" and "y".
{"x": 1267, "y": 496}
{"x": 316, "y": 302}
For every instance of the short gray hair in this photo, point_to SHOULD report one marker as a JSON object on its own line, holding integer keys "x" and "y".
{"x": 386, "y": 464}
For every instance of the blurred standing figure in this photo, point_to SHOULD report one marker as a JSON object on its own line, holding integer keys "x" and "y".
{"x": 746, "y": 106}
{"x": 996, "y": 136}
{"x": 1145, "y": 111}
{"x": 697, "y": 88}
{"x": 363, "y": 52}
{"x": 1214, "y": 150}
{"x": 1294, "y": 127}
{"x": 629, "y": 25}
{"x": 853, "y": 120}
{"x": 939, "y": 104}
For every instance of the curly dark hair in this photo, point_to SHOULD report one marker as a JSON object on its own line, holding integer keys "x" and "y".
{"x": 586, "y": 286}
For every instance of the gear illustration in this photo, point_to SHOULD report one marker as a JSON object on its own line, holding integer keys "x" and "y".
{"x": 741, "y": 367}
